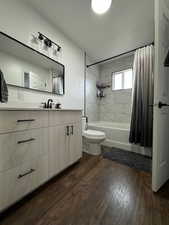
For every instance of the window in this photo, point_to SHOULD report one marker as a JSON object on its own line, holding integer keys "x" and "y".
{"x": 122, "y": 79}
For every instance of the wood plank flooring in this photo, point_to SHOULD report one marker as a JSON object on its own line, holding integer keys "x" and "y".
{"x": 95, "y": 191}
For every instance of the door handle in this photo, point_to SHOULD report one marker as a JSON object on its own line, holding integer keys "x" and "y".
{"x": 72, "y": 130}
{"x": 23, "y": 121}
{"x": 28, "y": 140}
{"x": 25, "y": 174}
{"x": 67, "y": 131}
{"x": 161, "y": 104}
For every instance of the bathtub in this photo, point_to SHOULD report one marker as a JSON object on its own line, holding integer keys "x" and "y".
{"x": 117, "y": 136}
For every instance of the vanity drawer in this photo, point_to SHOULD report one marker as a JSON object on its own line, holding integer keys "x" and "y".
{"x": 64, "y": 117}
{"x": 18, "y": 147}
{"x": 18, "y": 182}
{"x": 22, "y": 120}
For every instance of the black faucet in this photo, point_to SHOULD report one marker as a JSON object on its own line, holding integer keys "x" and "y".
{"x": 49, "y": 103}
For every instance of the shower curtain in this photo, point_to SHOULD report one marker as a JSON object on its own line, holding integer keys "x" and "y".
{"x": 141, "y": 126}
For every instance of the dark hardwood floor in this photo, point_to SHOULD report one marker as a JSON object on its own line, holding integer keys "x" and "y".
{"x": 95, "y": 191}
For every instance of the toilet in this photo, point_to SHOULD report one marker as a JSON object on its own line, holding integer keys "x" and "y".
{"x": 92, "y": 139}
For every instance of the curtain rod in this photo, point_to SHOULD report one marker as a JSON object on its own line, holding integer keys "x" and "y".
{"x": 125, "y": 53}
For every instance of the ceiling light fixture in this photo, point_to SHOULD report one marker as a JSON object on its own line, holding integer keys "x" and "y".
{"x": 101, "y": 6}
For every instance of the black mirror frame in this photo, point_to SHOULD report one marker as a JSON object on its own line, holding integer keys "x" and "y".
{"x": 45, "y": 56}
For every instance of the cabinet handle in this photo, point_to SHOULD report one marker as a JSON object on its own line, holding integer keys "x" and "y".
{"x": 28, "y": 140}
{"x": 23, "y": 121}
{"x": 67, "y": 131}
{"x": 25, "y": 174}
{"x": 72, "y": 130}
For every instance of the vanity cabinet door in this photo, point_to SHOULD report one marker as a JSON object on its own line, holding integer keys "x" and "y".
{"x": 58, "y": 149}
{"x": 75, "y": 143}
{"x": 65, "y": 147}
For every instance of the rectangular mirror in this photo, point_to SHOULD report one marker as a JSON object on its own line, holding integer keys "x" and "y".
{"x": 27, "y": 68}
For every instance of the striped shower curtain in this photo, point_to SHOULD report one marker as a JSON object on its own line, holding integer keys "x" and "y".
{"x": 141, "y": 127}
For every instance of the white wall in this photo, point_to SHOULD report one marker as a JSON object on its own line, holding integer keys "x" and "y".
{"x": 20, "y": 21}
{"x": 116, "y": 106}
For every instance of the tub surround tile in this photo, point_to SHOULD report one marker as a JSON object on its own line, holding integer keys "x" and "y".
{"x": 92, "y": 102}
{"x": 116, "y": 106}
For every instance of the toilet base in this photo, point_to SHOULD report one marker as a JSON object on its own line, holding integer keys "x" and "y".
{"x": 91, "y": 148}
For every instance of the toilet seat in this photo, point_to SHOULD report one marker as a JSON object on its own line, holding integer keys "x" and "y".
{"x": 94, "y": 134}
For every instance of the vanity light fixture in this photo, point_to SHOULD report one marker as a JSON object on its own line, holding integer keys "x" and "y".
{"x": 40, "y": 37}
{"x": 100, "y": 6}
{"x": 47, "y": 41}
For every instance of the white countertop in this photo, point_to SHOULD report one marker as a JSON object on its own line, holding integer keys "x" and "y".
{"x": 35, "y": 109}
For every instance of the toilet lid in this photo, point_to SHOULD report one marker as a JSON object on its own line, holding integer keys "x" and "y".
{"x": 94, "y": 134}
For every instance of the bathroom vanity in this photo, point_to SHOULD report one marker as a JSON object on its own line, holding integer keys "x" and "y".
{"x": 35, "y": 145}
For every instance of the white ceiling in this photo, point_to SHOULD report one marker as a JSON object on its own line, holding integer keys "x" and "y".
{"x": 127, "y": 25}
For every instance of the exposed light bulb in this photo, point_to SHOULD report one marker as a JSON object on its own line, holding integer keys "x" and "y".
{"x": 101, "y": 6}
